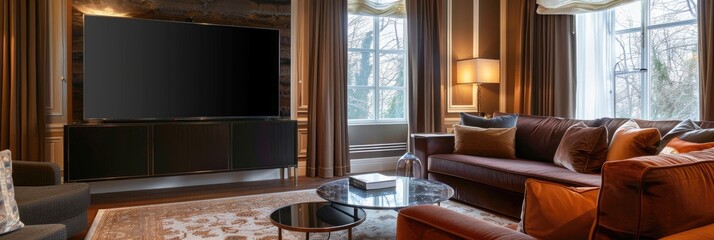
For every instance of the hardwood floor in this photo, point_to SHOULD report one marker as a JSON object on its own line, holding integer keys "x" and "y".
{"x": 157, "y": 196}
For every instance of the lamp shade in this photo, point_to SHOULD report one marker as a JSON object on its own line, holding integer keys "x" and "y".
{"x": 478, "y": 70}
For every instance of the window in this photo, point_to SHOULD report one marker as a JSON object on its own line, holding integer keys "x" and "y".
{"x": 376, "y": 69}
{"x": 653, "y": 60}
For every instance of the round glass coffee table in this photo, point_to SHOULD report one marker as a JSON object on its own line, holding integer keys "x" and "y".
{"x": 316, "y": 217}
{"x": 408, "y": 192}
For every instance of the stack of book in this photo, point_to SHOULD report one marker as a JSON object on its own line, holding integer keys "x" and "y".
{"x": 371, "y": 181}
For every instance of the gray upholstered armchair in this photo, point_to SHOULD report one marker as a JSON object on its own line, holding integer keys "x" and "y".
{"x": 48, "y": 208}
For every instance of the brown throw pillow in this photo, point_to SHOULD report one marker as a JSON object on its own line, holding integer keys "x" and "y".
{"x": 485, "y": 142}
{"x": 583, "y": 149}
{"x": 555, "y": 211}
{"x": 631, "y": 141}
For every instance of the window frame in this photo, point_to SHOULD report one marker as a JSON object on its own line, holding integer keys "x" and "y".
{"x": 377, "y": 88}
{"x": 643, "y": 71}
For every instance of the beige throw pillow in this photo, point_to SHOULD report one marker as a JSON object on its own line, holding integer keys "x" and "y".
{"x": 9, "y": 215}
{"x": 631, "y": 141}
{"x": 485, "y": 142}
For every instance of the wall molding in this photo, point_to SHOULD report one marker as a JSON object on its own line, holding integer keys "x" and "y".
{"x": 450, "y": 106}
{"x": 503, "y": 89}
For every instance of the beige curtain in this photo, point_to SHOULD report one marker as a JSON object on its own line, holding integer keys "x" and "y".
{"x": 545, "y": 83}
{"x": 705, "y": 12}
{"x": 577, "y": 6}
{"x": 328, "y": 148}
{"x": 23, "y": 73}
{"x": 380, "y": 8}
{"x": 425, "y": 48}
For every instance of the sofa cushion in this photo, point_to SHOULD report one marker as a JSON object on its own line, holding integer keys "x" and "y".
{"x": 52, "y": 204}
{"x": 583, "y": 149}
{"x": 510, "y": 175}
{"x": 538, "y": 137}
{"x": 698, "y": 136}
{"x": 38, "y": 232}
{"x": 631, "y": 141}
{"x": 504, "y": 121}
{"x": 681, "y": 128}
{"x": 663, "y": 126}
{"x": 554, "y": 211}
{"x": 676, "y": 146}
{"x": 486, "y": 142}
{"x": 638, "y": 200}
{"x": 9, "y": 215}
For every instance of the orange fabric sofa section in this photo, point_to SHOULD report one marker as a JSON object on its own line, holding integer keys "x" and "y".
{"x": 655, "y": 196}
{"x": 430, "y": 222}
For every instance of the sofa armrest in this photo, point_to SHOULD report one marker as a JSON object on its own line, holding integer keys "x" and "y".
{"x": 434, "y": 222}
{"x": 26, "y": 173}
{"x": 427, "y": 144}
{"x": 705, "y": 232}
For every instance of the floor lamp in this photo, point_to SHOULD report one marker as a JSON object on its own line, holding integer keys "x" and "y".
{"x": 478, "y": 71}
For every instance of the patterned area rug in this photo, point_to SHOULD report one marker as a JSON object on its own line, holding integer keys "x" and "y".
{"x": 244, "y": 217}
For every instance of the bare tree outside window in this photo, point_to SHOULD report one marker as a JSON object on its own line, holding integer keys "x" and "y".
{"x": 656, "y": 60}
{"x": 376, "y": 68}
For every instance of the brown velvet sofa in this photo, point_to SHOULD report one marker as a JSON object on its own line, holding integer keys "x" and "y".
{"x": 651, "y": 197}
{"x": 498, "y": 184}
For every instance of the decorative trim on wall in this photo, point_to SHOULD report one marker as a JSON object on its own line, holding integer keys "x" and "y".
{"x": 293, "y": 55}
{"x": 55, "y": 89}
{"x": 476, "y": 28}
{"x": 449, "y": 124}
{"x": 502, "y": 100}
{"x": 450, "y": 106}
{"x": 302, "y": 143}
{"x": 380, "y": 147}
{"x": 54, "y": 150}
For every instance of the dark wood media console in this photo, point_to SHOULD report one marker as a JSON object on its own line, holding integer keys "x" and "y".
{"x": 134, "y": 150}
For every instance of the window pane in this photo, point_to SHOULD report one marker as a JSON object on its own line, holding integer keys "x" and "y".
{"x": 667, "y": 11}
{"x": 360, "y": 68}
{"x": 628, "y": 97}
{"x": 392, "y": 104}
{"x": 391, "y": 33}
{"x": 360, "y": 32}
{"x": 673, "y": 73}
{"x": 361, "y": 104}
{"x": 628, "y": 16}
{"x": 391, "y": 70}
{"x": 628, "y": 47}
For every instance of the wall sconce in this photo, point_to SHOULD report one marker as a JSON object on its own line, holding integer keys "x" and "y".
{"x": 478, "y": 71}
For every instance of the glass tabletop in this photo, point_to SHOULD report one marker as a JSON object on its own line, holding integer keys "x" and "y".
{"x": 317, "y": 217}
{"x": 408, "y": 192}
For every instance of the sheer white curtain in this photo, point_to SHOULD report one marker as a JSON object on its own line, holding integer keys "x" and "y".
{"x": 594, "y": 65}
{"x": 577, "y": 6}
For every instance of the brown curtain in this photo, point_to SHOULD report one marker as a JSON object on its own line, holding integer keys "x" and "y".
{"x": 24, "y": 70}
{"x": 545, "y": 83}
{"x": 425, "y": 24}
{"x": 328, "y": 148}
{"x": 705, "y": 16}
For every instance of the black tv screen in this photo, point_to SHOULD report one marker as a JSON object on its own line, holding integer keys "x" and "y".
{"x": 138, "y": 69}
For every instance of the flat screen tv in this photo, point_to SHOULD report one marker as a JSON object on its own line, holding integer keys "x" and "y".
{"x": 138, "y": 69}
